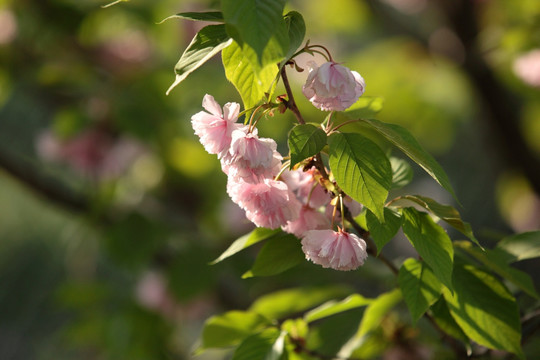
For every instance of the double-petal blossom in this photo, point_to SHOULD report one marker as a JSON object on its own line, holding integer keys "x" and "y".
{"x": 308, "y": 219}
{"x": 337, "y": 250}
{"x": 215, "y": 126}
{"x": 333, "y": 87}
{"x": 268, "y": 203}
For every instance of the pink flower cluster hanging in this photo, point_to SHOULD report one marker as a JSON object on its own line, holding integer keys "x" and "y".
{"x": 275, "y": 197}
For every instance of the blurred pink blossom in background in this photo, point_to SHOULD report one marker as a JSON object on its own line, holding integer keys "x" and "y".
{"x": 527, "y": 68}
{"x": 92, "y": 152}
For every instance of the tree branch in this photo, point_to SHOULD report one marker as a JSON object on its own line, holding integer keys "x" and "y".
{"x": 45, "y": 187}
{"x": 290, "y": 103}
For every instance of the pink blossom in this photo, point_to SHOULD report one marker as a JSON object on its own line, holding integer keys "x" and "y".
{"x": 353, "y": 206}
{"x": 333, "y": 87}
{"x": 338, "y": 250}
{"x": 215, "y": 127}
{"x": 308, "y": 219}
{"x": 240, "y": 170}
{"x": 269, "y": 203}
{"x": 92, "y": 152}
{"x": 250, "y": 148}
{"x": 309, "y": 191}
{"x": 527, "y": 68}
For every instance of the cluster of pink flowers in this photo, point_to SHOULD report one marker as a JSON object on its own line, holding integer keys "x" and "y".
{"x": 251, "y": 163}
{"x": 291, "y": 199}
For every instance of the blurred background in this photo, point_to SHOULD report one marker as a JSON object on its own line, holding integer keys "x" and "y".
{"x": 112, "y": 210}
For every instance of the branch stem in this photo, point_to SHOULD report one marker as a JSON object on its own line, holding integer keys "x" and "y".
{"x": 290, "y": 103}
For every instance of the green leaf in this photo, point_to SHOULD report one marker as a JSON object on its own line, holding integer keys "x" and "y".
{"x": 297, "y": 32}
{"x": 328, "y": 337}
{"x": 230, "y": 329}
{"x": 280, "y": 253}
{"x": 361, "y": 169}
{"x": 446, "y": 322}
{"x": 304, "y": 141}
{"x": 495, "y": 262}
{"x": 400, "y": 137}
{"x": 209, "y": 41}
{"x": 214, "y": 16}
{"x": 251, "y": 82}
{"x": 431, "y": 242}
{"x": 445, "y": 212}
{"x": 377, "y": 310}
{"x": 521, "y": 246}
{"x": 255, "y": 23}
{"x": 419, "y": 286}
{"x": 291, "y": 301}
{"x": 383, "y": 232}
{"x": 266, "y": 345}
{"x": 402, "y": 173}
{"x": 333, "y": 307}
{"x": 484, "y": 309}
{"x": 257, "y": 235}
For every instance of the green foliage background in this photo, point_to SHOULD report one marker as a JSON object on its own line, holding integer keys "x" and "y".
{"x": 74, "y": 249}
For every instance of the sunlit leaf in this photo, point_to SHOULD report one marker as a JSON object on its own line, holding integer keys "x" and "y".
{"x": 419, "y": 286}
{"x": 484, "y": 309}
{"x": 431, "y": 242}
{"x": 492, "y": 260}
{"x": 402, "y": 138}
{"x": 207, "y": 43}
{"x": 304, "y": 141}
{"x": 328, "y": 337}
{"x": 445, "y": 212}
{"x": 213, "y": 16}
{"x": 230, "y": 329}
{"x": 268, "y": 345}
{"x": 443, "y": 318}
{"x": 333, "y": 307}
{"x": 402, "y": 173}
{"x": 361, "y": 169}
{"x": 383, "y": 232}
{"x": 521, "y": 246}
{"x": 297, "y": 31}
{"x": 377, "y": 310}
{"x": 291, "y": 301}
{"x": 257, "y": 235}
{"x": 255, "y": 23}
{"x": 251, "y": 82}
{"x": 280, "y": 253}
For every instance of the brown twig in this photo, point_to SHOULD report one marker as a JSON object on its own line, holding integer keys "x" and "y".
{"x": 290, "y": 103}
